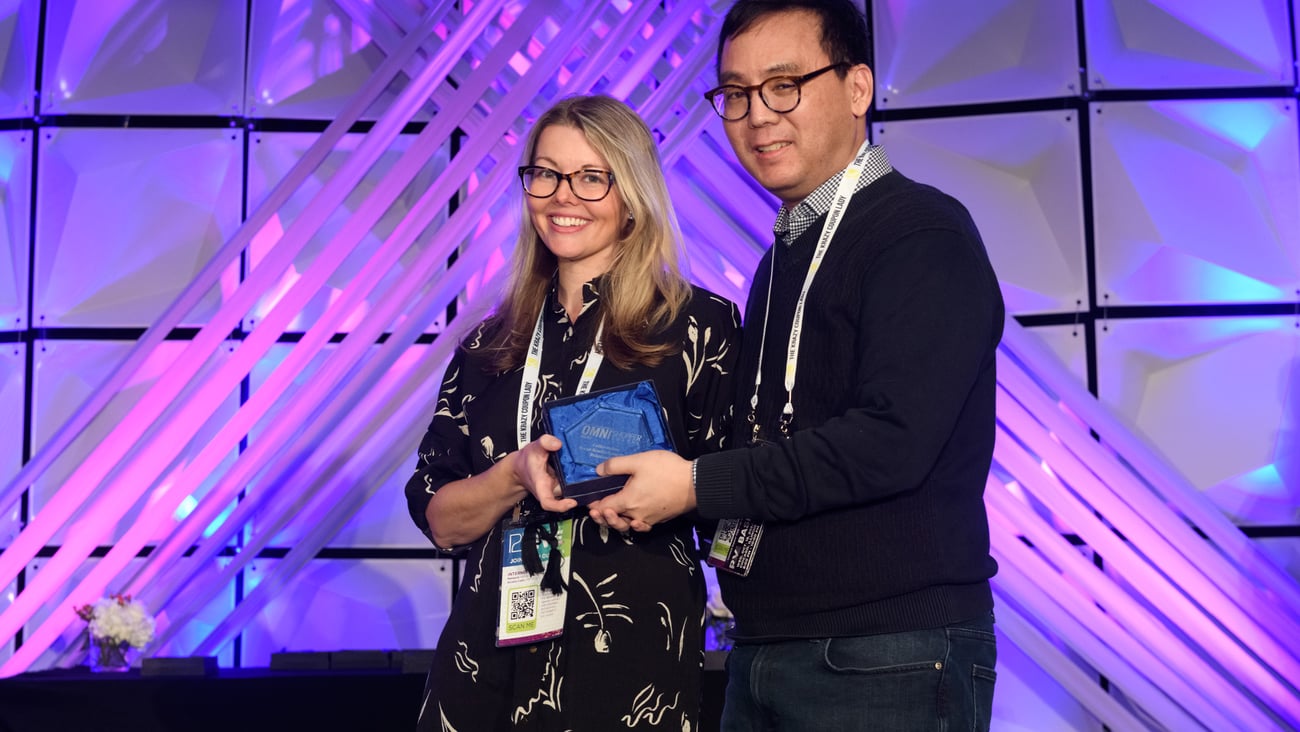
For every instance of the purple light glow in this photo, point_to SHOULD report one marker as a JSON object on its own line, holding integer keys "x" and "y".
{"x": 1180, "y": 660}
{"x": 1189, "y": 621}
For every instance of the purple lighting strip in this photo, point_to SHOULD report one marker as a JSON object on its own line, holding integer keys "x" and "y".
{"x": 1204, "y": 629}
{"x": 1103, "y": 468}
{"x": 1187, "y": 561}
{"x": 1062, "y": 669}
{"x": 1143, "y": 622}
{"x": 1074, "y": 610}
{"x": 490, "y": 191}
{"x": 164, "y": 393}
{"x": 1125, "y": 442}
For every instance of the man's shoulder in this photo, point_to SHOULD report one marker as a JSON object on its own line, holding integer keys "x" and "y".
{"x": 895, "y": 184}
{"x": 897, "y": 200}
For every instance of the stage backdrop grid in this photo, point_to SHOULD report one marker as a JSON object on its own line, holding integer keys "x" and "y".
{"x": 311, "y": 200}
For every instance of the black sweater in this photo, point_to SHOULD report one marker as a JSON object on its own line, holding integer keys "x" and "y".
{"x": 873, "y": 509}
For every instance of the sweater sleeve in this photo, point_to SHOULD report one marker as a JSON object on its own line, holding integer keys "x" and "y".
{"x": 929, "y": 319}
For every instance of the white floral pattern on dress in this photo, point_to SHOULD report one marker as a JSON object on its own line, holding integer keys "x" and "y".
{"x": 464, "y": 663}
{"x": 602, "y": 611}
{"x": 632, "y": 646}
{"x": 548, "y": 694}
{"x": 649, "y": 706}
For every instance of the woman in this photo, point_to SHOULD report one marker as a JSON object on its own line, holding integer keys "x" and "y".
{"x": 595, "y": 262}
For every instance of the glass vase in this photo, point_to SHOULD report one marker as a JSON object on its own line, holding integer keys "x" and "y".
{"x": 108, "y": 656}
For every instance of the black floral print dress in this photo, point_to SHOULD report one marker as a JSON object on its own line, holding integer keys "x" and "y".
{"x": 630, "y": 654}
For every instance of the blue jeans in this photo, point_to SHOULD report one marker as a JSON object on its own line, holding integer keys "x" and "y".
{"x": 937, "y": 680}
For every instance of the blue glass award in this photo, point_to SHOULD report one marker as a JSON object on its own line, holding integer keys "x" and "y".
{"x": 600, "y": 425}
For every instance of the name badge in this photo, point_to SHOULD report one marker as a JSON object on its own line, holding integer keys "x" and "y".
{"x": 529, "y": 613}
{"x": 734, "y": 544}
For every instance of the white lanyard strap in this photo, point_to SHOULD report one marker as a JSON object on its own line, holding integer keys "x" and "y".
{"x": 847, "y": 187}
{"x": 532, "y": 367}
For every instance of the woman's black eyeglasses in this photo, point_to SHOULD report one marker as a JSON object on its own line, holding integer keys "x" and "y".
{"x": 589, "y": 184}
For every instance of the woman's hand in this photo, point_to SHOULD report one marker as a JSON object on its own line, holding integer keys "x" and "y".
{"x": 464, "y": 510}
{"x": 532, "y": 470}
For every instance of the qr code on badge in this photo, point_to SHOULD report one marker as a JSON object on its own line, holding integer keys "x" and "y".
{"x": 523, "y": 604}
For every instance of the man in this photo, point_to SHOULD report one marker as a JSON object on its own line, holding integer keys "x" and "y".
{"x": 867, "y": 604}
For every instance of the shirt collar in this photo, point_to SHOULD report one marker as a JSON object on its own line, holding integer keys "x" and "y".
{"x": 590, "y": 295}
{"x": 793, "y": 221}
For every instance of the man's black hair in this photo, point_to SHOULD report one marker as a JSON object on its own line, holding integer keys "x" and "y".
{"x": 844, "y": 28}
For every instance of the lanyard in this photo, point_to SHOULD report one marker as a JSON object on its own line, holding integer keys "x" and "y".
{"x": 843, "y": 194}
{"x": 532, "y": 366}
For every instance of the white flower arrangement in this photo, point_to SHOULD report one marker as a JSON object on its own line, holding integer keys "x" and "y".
{"x": 118, "y": 620}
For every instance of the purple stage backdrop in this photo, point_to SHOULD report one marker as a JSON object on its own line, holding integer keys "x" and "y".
{"x": 239, "y": 239}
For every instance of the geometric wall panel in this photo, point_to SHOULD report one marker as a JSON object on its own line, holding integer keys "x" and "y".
{"x": 1019, "y": 174}
{"x": 272, "y": 154}
{"x": 127, "y": 217}
{"x": 1196, "y": 201}
{"x": 66, "y": 374}
{"x": 1285, "y": 553}
{"x": 70, "y": 640}
{"x": 350, "y": 604}
{"x": 726, "y": 219}
{"x": 1159, "y": 44}
{"x": 1167, "y": 597}
{"x": 1069, "y": 343}
{"x": 11, "y": 524}
{"x": 382, "y": 521}
{"x": 13, "y": 385}
{"x": 1027, "y": 699}
{"x": 938, "y": 52}
{"x": 143, "y": 57}
{"x": 15, "y": 225}
{"x": 307, "y": 60}
{"x": 1220, "y": 398}
{"x": 184, "y": 643}
{"x": 19, "y": 20}
{"x": 7, "y": 594}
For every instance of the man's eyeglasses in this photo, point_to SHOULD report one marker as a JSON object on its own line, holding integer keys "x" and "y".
{"x": 781, "y": 94}
{"x": 589, "y": 184}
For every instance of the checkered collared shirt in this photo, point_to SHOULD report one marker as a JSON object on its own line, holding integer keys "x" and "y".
{"x": 791, "y": 223}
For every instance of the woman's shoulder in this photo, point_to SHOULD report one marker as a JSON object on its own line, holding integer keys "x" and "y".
{"x": 706, "y": 305}
{"x": 480, "y": 334}
{"x": 477, "y": 348}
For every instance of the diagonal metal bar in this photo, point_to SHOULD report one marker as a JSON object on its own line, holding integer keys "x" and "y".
{"x": 307, "y": 546}
{"x": 73, "y": 551}
{"x": 537, "y": 75}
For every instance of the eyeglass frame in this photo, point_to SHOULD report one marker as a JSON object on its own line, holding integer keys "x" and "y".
{"x": 568, "y": 178}
{"x": 712, "y": 94}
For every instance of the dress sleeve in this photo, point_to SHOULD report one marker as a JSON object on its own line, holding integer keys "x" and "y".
{"x": 710, "y": 354}
{"x": 444, "y": 454}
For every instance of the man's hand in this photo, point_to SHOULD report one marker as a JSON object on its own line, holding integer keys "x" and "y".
{"x": 533, "y": 471}
{"x": 659, "y": 489}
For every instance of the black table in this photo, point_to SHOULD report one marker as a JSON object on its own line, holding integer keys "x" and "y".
{"x": 249, "y": 700}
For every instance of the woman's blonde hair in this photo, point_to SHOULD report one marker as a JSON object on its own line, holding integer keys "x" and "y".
{"x": 643, "y": 291}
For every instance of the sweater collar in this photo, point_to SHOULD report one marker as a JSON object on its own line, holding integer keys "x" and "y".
{"x": 793, "y": 221}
